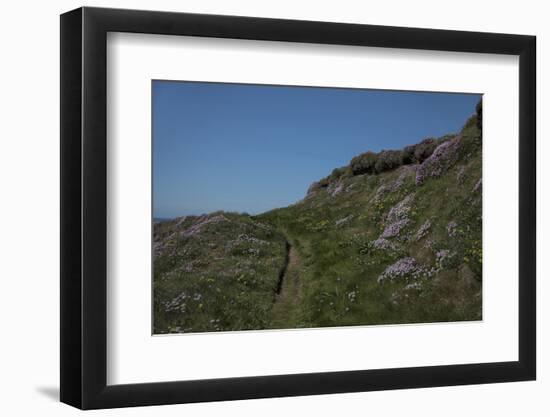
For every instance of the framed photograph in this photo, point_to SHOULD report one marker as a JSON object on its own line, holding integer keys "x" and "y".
{"x": 256, "y": 208}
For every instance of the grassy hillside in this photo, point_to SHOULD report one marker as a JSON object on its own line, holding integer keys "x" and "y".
{"x": 215, "y": 272}
{"x": 393, "y": 237}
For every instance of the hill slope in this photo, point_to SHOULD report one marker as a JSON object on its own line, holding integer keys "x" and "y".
{"x": 393, "y": 237}
{"x": 215, "y": 272}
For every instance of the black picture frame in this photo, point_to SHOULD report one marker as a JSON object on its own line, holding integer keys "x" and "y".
{"x": 84, "y": 207}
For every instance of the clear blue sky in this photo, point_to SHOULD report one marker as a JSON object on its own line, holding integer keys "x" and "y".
{"x": 251, "y": 148}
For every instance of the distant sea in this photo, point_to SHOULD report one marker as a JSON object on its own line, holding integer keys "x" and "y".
{"x": 160, "y": 219}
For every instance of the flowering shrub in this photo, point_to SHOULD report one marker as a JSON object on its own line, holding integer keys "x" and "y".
{"x": 442, "y": 158}
{"x": 405, "y": 268}
{"x": 423, "y": 230}
{"x": 375, "y": 163}
{"x": 398, "y": 217}
{"x": 400, "y": 210}
{"x": 393, "y": 229}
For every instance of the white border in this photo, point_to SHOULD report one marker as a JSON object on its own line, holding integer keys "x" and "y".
{"x": 135, "y": 356}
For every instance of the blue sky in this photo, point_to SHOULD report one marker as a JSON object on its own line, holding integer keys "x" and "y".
{"x": 251, "y": 148}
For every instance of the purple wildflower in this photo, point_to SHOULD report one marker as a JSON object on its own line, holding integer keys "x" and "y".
{"x": 405, "y": 268}
{"x": 398, "y": 217}
{"x": 423, "y": 230}
{"x": 442, "y": 158}
{"x": 395, "y": 228}
{"x": 451, "y": 228}
{"x": 383, "y": 244}
{"x": 401, "y": 210}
